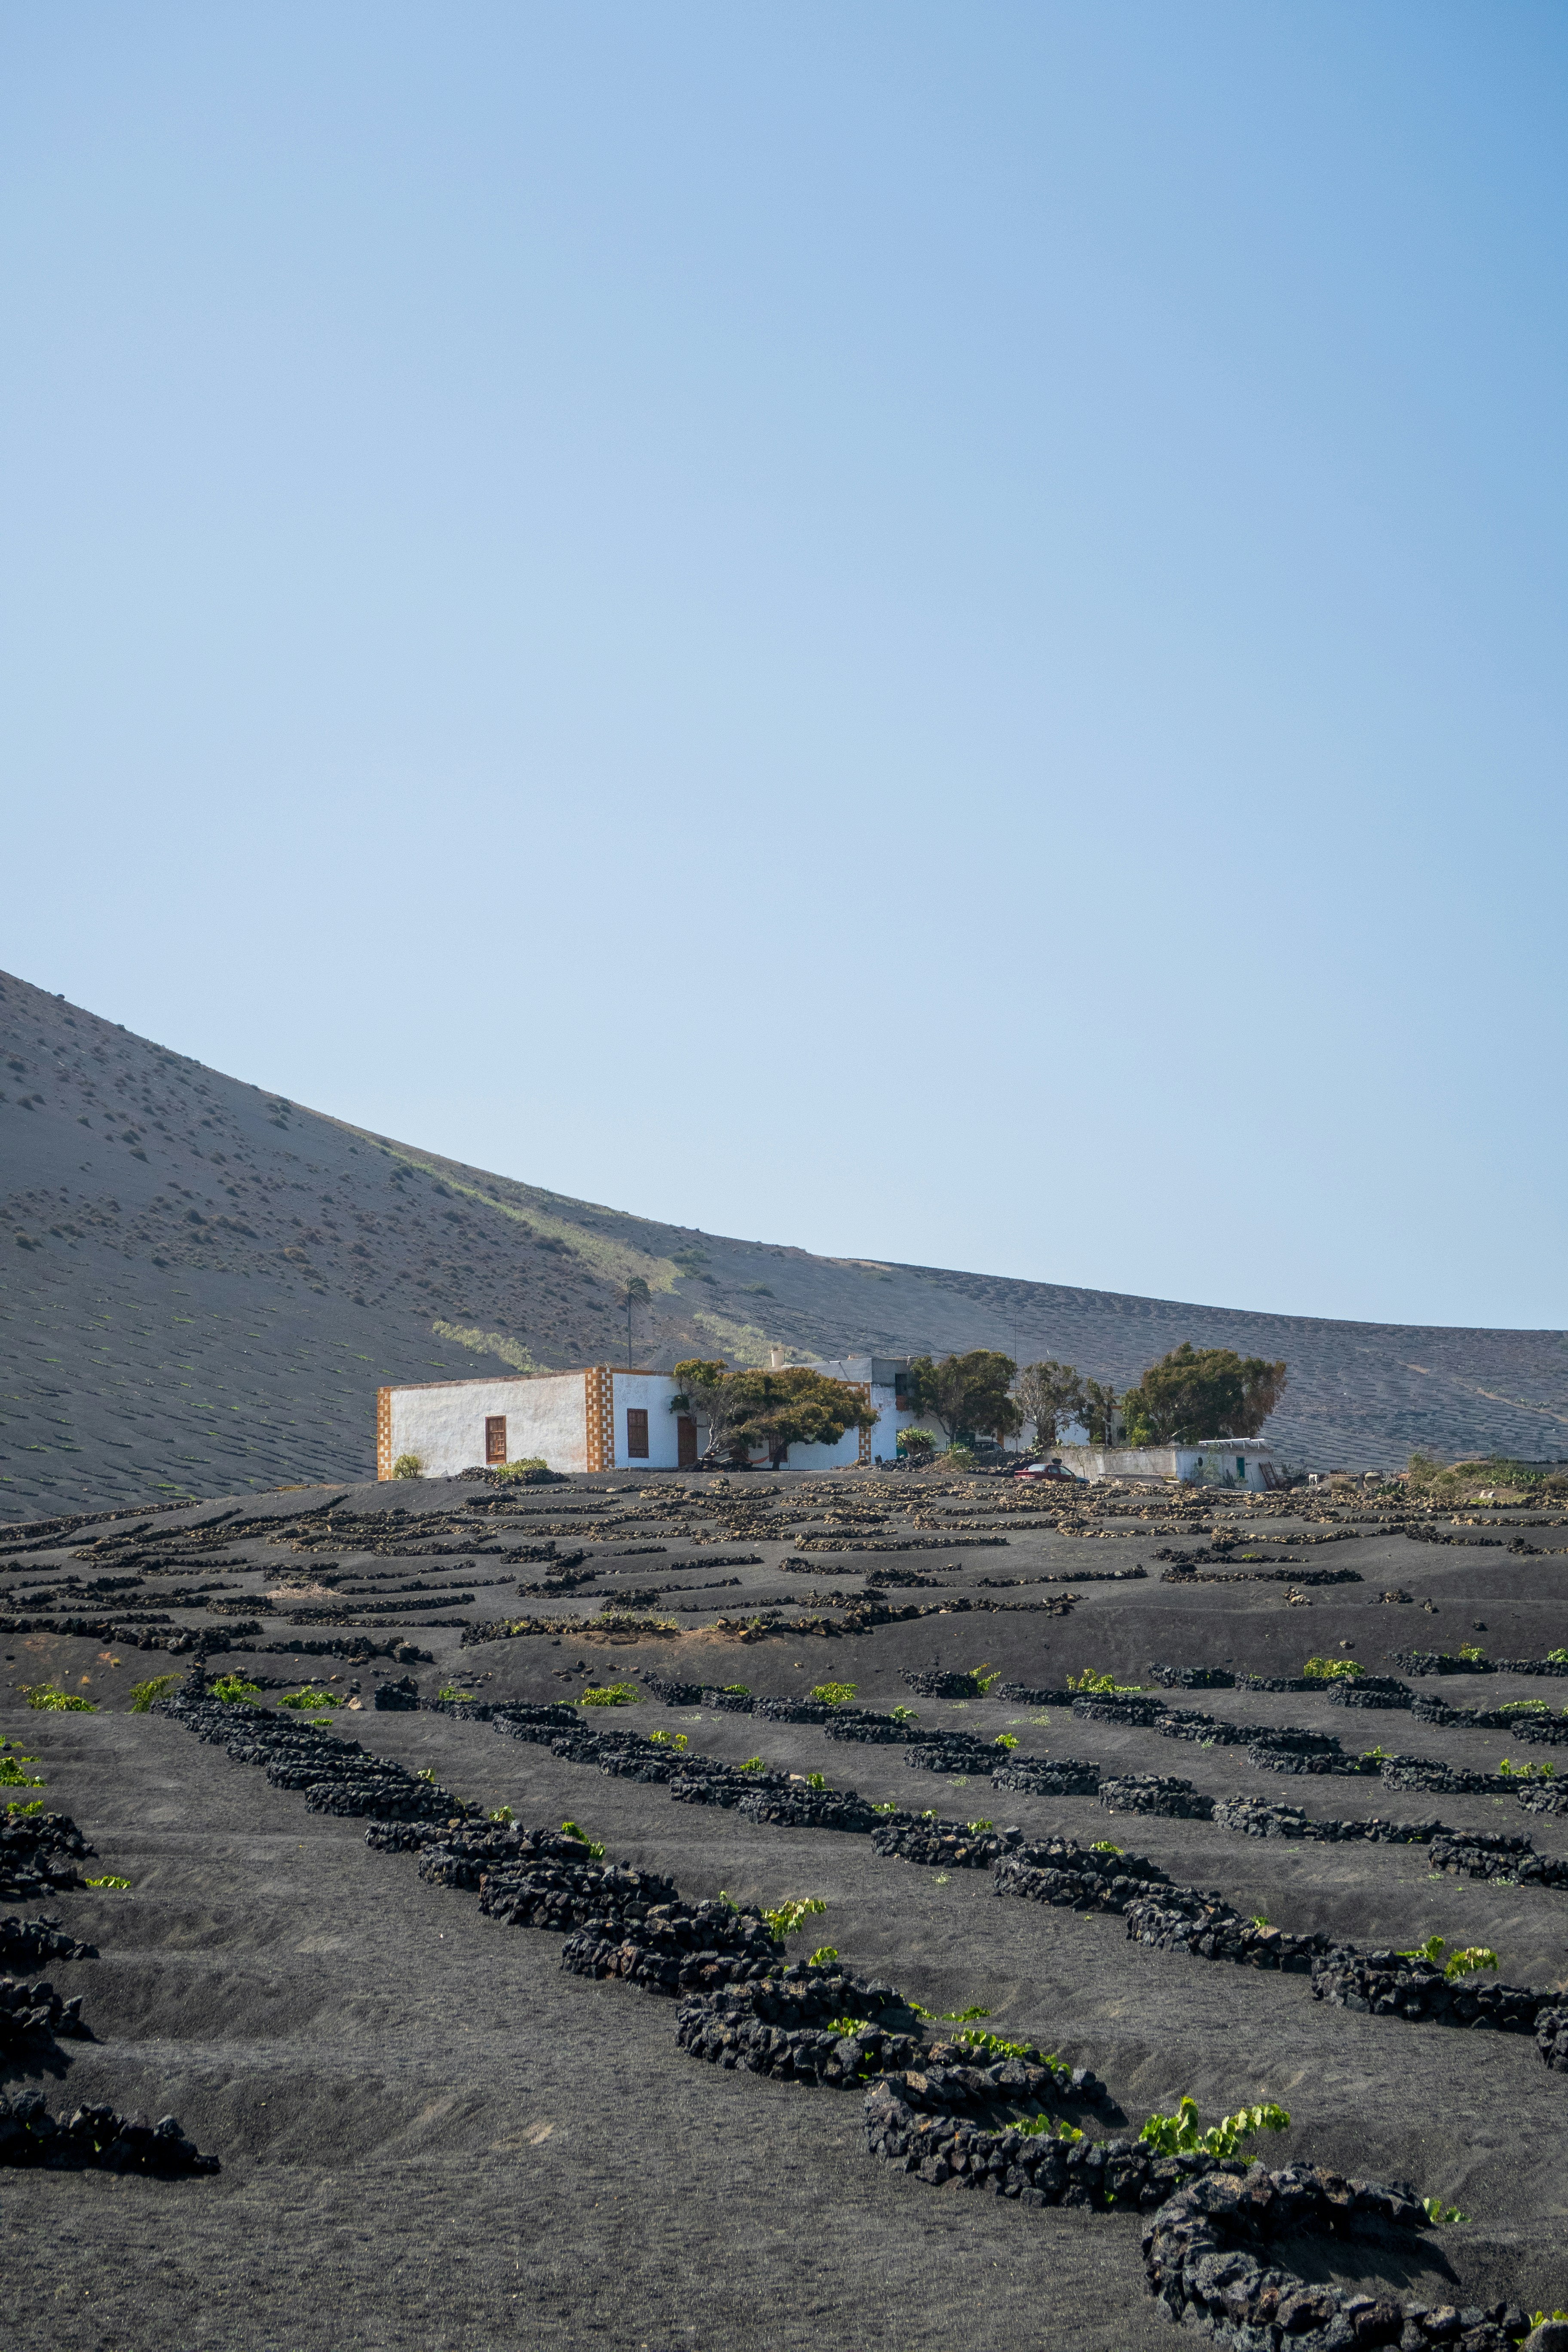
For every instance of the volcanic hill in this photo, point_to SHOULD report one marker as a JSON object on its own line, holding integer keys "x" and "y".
{"x": 201, "y": 1285}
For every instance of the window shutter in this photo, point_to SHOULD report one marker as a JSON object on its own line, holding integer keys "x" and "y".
{"x": 636, "y": 1432}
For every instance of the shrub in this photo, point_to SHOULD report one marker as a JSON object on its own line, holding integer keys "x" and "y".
{"x": 1094, "y": 1685}
{"x": 982, "y": 1679}
{"x": 453, "y": 1696}
{"x": 1004, "y": 1739}
{"x": 917, "y": 1441}
{"x": 1183, "y": 2134}
{"x": 1511, "y": 1771}
{"x": 976, "y": 1828}
{"x": 789, "y": 1917}
{"x": 525, "y": 1469}
{"x": 1333, "y": 1670}
{"x": 961, "y": 1458}
{"x": 834, "y": 1694}
{"x": 233, "y": 1689}
{"x": 903, "y": 1714}
{"x": 1105, "y": 1845}
{"x": 51, "y": 1696}
{"x": 308, "y": 1700}
{"x": 12, "y": 1776}
{"x": 678, "y": 1741}
{"x": 143, "y": 1694}
{"x": 571, "y": 1829}
{"x": 1442, "y": 2217}
{"x": 824, "y": 1958}
{"x": 503, "y": 1817}
{"x": 992, "y": 2045}
{"x": 408, "y": 1466}
{"x": 119, "y": 1885}
{"x": 611, "y": 1695}
{"x": 1473, "y": 1652}
{"x": 751, "y": 1764}
{"x": 816, "y": 1779}
{"x": 1465, "y": 1963}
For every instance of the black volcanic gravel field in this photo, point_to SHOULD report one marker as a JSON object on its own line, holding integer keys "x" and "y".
{"x": 432, "y": 2133}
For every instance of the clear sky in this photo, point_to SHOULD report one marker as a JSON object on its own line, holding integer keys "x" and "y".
{"x": 933, "y": 632}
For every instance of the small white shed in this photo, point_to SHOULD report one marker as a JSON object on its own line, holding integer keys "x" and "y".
{"x": 1251, "y": 1462}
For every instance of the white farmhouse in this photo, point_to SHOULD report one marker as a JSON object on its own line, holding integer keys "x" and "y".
{"x": 602, "y": 1419}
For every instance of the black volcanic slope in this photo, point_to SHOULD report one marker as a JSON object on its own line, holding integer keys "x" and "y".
{"x": 436, "y": 2131}
{"x": 202, "y": 1285}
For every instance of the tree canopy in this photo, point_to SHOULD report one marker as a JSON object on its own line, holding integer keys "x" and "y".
{"x": 1100, "y": 1412}
{"x": 776, "y": 1408}
{"x": 966, "y": 1394}
{"x": 702, "y": 1395}
{"x": 1050, "y": 1394}
{"x": 1198, "y": 1392}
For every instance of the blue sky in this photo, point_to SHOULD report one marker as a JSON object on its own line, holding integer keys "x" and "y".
{"x": 936, "y": 632}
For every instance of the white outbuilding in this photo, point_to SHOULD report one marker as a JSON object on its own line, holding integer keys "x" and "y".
{"x": 1251, "y": 1462}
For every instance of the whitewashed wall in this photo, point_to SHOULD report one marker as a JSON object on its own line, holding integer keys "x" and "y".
{"x": 444, "y": 1421}
{"x": 652, "y": 1391}
{"x": 1099, "y": 1462}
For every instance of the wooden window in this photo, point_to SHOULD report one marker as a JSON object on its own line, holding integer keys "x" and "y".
{"x": 495, "y": 1437}
{"x": 636, "y": 1433}
{"x": 686, "y": 1441}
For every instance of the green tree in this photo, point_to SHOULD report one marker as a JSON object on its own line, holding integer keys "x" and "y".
{"x": 795, "y": 1407}
{"x": 702, "y": 1395}
{"x": 776, "y": 1408}
{"x": 1099, "y": 1410}
{"x": 1198, "y": 1392}
{"x": 966, "y": 1394}
{"x": 1050, "y": 1394}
